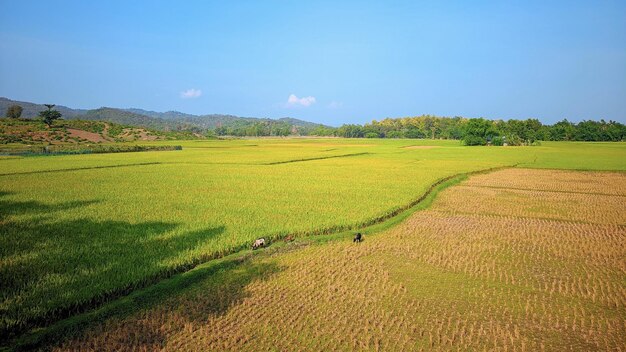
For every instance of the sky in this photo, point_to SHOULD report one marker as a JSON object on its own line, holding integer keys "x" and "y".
{"x": 332, "y": 62}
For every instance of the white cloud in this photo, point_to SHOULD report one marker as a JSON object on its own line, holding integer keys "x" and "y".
{"x": 190, "y": 93}
{"x": 335, "y": 105}
{"x": 293, "y": 100}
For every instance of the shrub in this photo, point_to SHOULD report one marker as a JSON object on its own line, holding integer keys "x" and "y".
{"x": 474, "y": 140}
{"x": 395, "y": 134}
{"x": 498, "y": 141}
{"x": 514, "y": 139}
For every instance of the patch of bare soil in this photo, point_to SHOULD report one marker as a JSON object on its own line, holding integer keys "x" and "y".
{"x": 90, "y": 136}
{"x": 144, "y": 136}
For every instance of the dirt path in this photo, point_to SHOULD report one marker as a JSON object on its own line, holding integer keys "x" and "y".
{"x": 490, "y": 268}
{"x": 105, "y": 133}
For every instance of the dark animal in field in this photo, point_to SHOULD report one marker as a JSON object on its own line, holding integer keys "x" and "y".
{"x": 258, "y": 243}
{"x": 358, "y": 238}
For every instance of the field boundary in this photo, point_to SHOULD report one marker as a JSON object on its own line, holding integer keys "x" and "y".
{"x": 86, "y": 149}
{"x": 173, "y": 163}
{"x": 37, "y": 335}
{"x": 222, "y": 147}
{"x": 315, "y": 158}
{"x": 82, "y": 168}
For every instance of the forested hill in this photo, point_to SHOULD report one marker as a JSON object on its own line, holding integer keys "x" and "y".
{"x": 209, "y": 121}
{"x": 212, "y": 121}
{"x": 174, "y": 120}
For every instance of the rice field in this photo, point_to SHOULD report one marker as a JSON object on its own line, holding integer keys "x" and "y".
{"x": 78, "y": 231}
{"x": 462, "y": 275}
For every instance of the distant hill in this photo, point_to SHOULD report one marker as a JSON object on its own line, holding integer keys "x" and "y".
{"x": 31, "y": 110}
{"x": 204, "y": 121}
{"x": 128, "y": 118}
{"x": 297, "y": 122}
{"x": 216, "y": 120}
{"x": 168, "y": 115}
{"x": 174, "y": 120}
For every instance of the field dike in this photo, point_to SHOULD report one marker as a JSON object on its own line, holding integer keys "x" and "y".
{"x": 315, "y": 158}
{"x": 81, "y": 168}
{"x": 152, "y": 290}
{"x": 173, "y": 163}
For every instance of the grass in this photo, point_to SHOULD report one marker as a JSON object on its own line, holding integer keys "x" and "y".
{"x": 444, "y": 279}
{"x": 77, "y": 231}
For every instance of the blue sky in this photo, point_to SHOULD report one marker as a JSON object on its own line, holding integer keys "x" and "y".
{"x": 326, "y": 61}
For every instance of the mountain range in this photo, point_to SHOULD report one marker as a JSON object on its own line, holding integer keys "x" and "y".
{"x": 164, "y": 121}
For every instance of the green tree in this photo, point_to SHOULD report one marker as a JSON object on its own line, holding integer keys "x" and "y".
{"x": 615, "y": 131}
{"x": 14, "y": 111}
{"x": 395, "y": 134}
{"x": 49, "y": 115}
{"x": 350, "y": 131}
{"x": 414, "y": 133}
{"x": 479, "y": 131}
{"x": 533, "y": 129}
{"x": 221, "y": 131}
{"x": 431, "y": 126}
{"x": 562, "y": 131}
{"x": 588, "y": 130}
{"x": 323, "y": 131}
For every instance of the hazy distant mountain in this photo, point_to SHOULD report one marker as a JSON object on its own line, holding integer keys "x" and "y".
{"x": 168, "y": 115}
{"x": 124, "y": 117}
{"x": 203, "y": 121}
{"x": 297, "y": 122}
{"x": 31, "y": 110}
{"x": 217, "y": 120}
{"x": 170, "y": 120}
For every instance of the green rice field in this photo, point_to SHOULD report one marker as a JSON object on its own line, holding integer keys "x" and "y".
{"x": 79, "y": 230}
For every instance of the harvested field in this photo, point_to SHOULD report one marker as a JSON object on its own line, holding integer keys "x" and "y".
{"x": 483, "y": 268}
{"x": 608, "y": 183}
{"x": 604, "y": 209}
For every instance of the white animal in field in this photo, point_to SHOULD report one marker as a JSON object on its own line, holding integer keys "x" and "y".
{"x": 258, "y": 243}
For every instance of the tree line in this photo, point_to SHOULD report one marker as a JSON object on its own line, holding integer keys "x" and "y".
{"x": 474, "y": 131}
{"x": 265, "y": 128}
{"x": 480, "y": 131}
